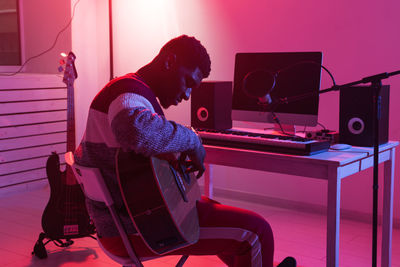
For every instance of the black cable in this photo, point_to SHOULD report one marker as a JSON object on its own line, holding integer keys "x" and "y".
{"x": 304, "y": 129}
{"x": 275, "y": 117}
{"x": 277, "y": 121}
{"x": 49, "y": 49}
{"x": 308, "y": 62}
{"x": 323, "y": 127}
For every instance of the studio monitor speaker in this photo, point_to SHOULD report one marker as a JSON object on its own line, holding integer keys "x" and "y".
{"x": 357, "y": 113}
{"x": 211, "y": 105}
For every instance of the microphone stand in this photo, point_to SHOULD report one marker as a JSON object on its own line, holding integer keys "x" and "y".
{"x": 376, "y": 84}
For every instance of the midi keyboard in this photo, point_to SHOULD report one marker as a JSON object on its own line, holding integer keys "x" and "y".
{"x": 286, "y": 144}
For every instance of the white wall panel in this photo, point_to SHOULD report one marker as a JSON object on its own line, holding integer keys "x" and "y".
{"x": 32, "y": 126}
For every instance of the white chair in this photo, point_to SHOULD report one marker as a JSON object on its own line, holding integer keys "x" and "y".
{"x": 94, "y": 188}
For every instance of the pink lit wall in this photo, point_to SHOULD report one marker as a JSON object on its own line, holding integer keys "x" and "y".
{"x": 41, "y": 22}
{"x": 90, "y": 45}
{"x": 358, "y": 39}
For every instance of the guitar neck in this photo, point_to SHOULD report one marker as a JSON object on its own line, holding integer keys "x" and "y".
{"x": 71, "y": 144}
{"x": 70, "y": 75}
{"x": 70, "y": 178}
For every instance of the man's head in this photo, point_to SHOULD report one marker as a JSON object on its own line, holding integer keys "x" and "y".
{"x": 182, "y": 63}
{"x": 190, "y": 53}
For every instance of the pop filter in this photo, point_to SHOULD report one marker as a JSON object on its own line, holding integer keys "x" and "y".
{"x": 259, "y": 84}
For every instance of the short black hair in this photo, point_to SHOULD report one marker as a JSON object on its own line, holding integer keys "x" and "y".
{"x": 190, "y": 52}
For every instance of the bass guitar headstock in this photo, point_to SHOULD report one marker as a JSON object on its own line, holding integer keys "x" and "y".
{"x": 70, "y": 73}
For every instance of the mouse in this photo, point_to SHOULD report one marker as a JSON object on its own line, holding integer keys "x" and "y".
{"x": 340, "y": 146}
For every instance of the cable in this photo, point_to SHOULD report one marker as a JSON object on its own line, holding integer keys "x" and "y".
{"x": 275, "y": 117}
{"x": 323, "y": 127}
{"x": 308, "y": 62}
{"x": 277, "y": 121}
{"x": 49, "y": 49}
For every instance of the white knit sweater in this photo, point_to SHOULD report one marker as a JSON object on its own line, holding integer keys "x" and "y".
{"x": 125, "y": 114}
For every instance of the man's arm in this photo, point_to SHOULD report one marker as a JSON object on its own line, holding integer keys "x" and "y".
{"x": 137, "y": 127}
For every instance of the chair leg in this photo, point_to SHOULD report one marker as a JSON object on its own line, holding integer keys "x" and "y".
{"x": 182, "y": 260}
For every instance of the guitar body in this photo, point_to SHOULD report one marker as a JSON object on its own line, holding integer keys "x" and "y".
{"x": 161, "y": 202}
{"x": 65, "y": 215}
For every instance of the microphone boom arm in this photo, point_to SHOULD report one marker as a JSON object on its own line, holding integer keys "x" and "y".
{"x": 374, "y": 79}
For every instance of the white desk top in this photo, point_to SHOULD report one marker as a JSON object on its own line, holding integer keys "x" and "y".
{"x": 352, "y": 160}
{"x": 343, "y": 157}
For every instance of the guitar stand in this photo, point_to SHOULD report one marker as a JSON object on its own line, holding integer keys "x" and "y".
{"x": 39, "y": 249}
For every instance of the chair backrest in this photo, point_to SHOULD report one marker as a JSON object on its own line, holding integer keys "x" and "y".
{"x": 94, "y": 187}
{"x": 91, "y": 181}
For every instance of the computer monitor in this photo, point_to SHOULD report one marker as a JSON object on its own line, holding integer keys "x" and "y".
{"x": 296, "y": 73}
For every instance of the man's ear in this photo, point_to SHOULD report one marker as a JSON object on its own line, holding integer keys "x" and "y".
{"x": 170, "y": 61}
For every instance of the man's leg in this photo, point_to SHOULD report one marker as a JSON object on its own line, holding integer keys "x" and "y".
{"x": 238, "y": 237}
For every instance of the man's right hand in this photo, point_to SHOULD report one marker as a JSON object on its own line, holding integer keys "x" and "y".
{"x": 195, "y": 160}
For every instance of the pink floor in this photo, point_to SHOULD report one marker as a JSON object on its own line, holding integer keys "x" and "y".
{"x": 298, "y": 234}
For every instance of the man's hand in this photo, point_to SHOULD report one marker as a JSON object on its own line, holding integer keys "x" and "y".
{"x": 195, "y": 161}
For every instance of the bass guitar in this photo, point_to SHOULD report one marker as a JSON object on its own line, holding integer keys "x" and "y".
{"x": 161, "y": 201}
{"x": 65, "y": 215}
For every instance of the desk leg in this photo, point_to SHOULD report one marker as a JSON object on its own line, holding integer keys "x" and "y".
{"x": 208, "y": 181}
{"x": 333, "y": 218}
{"x": 387, "y": 220}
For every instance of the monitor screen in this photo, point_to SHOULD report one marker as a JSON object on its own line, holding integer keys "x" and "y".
{"x": 295, "y": 73}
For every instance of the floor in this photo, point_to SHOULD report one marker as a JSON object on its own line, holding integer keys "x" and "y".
{"x": 298, "y": 234}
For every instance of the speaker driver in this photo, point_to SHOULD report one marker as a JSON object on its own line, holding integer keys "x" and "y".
{"x": 356, "y": 125}
{"x": 202, "y": 114}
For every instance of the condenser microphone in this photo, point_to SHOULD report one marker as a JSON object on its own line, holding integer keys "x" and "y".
{"x": 259, "y": 84}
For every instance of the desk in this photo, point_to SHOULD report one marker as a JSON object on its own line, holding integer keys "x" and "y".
{"x": 332, "y": 166}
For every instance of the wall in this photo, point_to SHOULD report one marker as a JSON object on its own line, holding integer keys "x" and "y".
{"x": 358, "y": 39}
{"x": 91, "y": 47}
{"x": 41, "y": 22}
{"x": 32, "y": 126}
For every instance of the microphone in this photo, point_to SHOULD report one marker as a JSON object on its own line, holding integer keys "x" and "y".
{"x": 259, "y": 84}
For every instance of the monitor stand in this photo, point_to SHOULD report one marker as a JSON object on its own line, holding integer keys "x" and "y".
{"x": 287, "y": 128}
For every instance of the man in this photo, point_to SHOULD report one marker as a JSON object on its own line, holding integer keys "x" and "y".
{"x": 126, "y": 114}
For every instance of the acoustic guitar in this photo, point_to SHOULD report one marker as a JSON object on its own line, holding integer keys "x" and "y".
{"x": 65, "y": 215}
{"x": 161, "y": 201}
